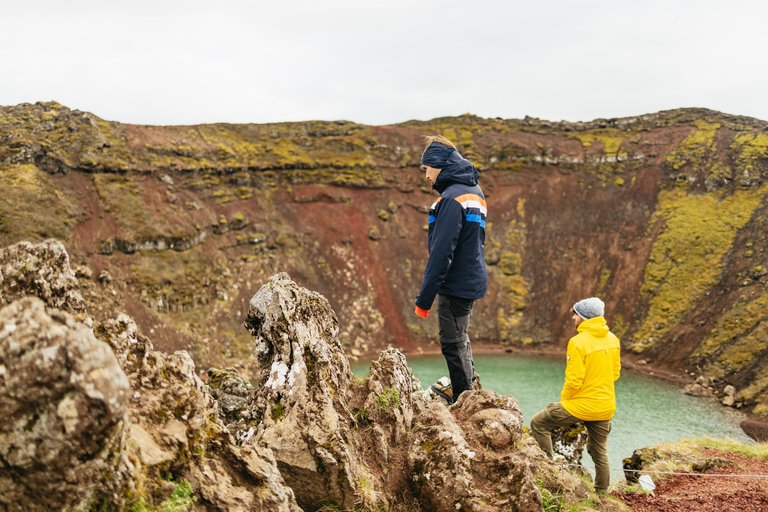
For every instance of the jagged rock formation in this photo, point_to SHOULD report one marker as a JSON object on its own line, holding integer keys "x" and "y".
{"x": 105, "y": 421}
{"x": 97, "y": 419}
{"x": 300, "y": 401}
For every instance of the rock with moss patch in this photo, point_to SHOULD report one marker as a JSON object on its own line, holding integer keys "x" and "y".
{"x": 175, "y": 430}
{"x": 392, "y": 401}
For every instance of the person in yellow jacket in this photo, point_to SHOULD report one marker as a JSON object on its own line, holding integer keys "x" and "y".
{"x": 593, "y": 365}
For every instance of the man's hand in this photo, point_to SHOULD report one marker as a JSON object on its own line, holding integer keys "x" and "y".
{"x": 423, "y": 313}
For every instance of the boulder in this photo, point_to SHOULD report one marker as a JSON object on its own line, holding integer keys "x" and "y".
{"x": 63, "y": 399}
{"x": 43, "y": 271}
{"x": 492, "y": 420}
{"x": 460, "y": 458}
{"x": 695, "y": 389}
{"x": 230, "y": 390}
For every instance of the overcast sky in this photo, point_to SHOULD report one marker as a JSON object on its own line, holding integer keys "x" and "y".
{"x": 172, "y": 62}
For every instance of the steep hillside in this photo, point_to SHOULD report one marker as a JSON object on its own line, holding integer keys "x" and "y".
{"x": 663, "y": 215}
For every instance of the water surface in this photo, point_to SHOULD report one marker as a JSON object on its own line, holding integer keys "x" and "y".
{"x": 648, "y": 411}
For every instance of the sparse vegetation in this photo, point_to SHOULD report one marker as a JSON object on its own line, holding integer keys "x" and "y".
{"x": 388, "y": 400}
{"x": 181, "y": 500}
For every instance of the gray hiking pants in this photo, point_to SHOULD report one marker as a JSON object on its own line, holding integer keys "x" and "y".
{"x": 455, "y": 346}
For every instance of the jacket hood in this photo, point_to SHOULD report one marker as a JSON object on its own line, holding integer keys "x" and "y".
{"x": 457, "y": 170}
{"x": 595, "y": 326}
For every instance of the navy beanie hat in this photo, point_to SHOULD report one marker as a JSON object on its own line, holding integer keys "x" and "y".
{"x": 589, "y": 308}
{"x": 437, "y": 155}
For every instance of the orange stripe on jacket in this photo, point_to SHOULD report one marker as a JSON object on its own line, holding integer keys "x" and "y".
{"x": 472, "y": 197}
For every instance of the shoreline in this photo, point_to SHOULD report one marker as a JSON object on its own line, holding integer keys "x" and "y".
{"x": 753, "y": 426}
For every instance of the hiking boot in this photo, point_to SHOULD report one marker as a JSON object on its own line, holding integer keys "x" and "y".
{"x": 443, "y": 391}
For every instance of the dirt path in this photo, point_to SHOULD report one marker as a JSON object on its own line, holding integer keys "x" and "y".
{"x": 690, "y": 492}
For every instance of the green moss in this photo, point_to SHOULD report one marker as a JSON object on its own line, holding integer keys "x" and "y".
{"x": 180, "y": 500}
{"x": 415, "y": 329}
{"x": 742, "y": 318}
{"x": 618, "y": 326}
{"x": 389, "y": 399}
{"x": 686, "y": 258}
{"x": 605, "y": 275}
{"x": 509, "y": 263}
{"x": 277, "y": 411}
{"x": 361, "y": 417}
{"x": 121, "y": 196}
{"x": 183, "y": 278}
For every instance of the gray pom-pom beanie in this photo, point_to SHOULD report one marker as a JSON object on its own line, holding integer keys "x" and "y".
{"x": 589, "y": 308}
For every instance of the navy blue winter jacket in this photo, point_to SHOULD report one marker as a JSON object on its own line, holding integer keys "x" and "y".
{"x": 456, "y": 241}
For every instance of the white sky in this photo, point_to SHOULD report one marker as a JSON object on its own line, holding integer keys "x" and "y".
{"x": 172, "y": 62}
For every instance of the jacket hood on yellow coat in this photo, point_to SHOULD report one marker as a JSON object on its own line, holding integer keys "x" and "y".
{"x": 595, "y": 326}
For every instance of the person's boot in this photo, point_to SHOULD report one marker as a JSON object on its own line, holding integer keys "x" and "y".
{"x": 476, "y": 385}
{"x": 443, "y": 391}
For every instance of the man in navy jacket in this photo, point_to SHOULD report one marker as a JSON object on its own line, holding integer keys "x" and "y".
{"x": 455, "y": 271}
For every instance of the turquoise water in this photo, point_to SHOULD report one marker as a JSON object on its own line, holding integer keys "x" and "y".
{"x": 648, "y": 411}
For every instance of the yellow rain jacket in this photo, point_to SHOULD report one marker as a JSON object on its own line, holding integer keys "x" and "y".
{"x": 593, "y": 366}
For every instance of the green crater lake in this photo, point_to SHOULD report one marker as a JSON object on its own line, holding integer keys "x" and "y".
{"x": 648, "y": 412}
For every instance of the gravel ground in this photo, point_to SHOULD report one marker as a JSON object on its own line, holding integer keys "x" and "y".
{"x": 686, "y": 491}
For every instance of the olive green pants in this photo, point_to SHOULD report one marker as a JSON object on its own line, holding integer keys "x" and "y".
{"x": 543, "y": 422}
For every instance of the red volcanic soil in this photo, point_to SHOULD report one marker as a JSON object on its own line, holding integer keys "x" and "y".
{"x": 686, "y": 492}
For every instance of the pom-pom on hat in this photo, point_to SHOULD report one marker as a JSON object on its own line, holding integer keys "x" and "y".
{"x": 589, "y": 308}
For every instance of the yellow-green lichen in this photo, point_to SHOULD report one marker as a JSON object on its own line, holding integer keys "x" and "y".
{"x": 740, "y": 319}
{"x": 610, "y": 138}
{"x": 33, "y": 208}
{"x": 697, "y": 148}
{"x": 750, "y": 148}
{"x": 686, "y": 257}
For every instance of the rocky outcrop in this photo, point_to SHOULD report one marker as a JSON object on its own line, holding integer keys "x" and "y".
{"x": 63, "y": 399}
{"x": 300, "y": 403}
{"x": 174, "y": 427}
{"x": 470, "y": 456}
{"x": 340, "y": 441}
{"x": 98, "y": 418}
{"x": 42, "y": 271}
{"x": 665, "y": 458}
